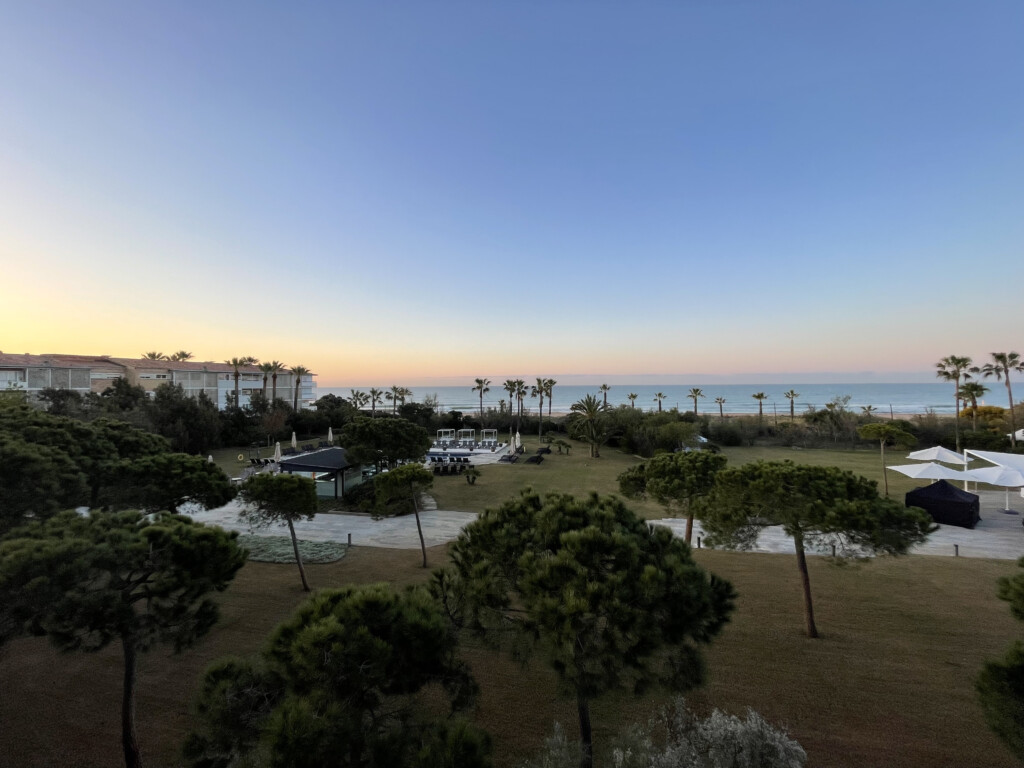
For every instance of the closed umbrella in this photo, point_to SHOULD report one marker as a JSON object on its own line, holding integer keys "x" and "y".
{"x": 295, "y": 443}
{"x": 929, "y": 471}
{"x": 1002, "y": 476}
{"x": 277, "y": 453}
{"x": 330, "y": 435}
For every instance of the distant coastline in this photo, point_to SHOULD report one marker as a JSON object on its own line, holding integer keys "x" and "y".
{"x": 902, "y": 399}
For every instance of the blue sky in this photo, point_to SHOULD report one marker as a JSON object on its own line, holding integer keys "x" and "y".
{"x": 409, "y": 191}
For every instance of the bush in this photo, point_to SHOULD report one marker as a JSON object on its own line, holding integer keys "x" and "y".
{"x": 687, "y": 741}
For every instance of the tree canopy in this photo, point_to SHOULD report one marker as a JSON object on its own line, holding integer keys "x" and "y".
{"x": 85, "y": 581}
{"x": 280, "y": 498}
{"x": 384, "y": 442}
{"x": 886, "y": 434}
{"x": 609, "y": 601}
{"x": 815, "y": 506}
{"x": 675, "y": 480}
{"x": 340, "y": 684}
{"x": 1000, "y": 685}
{"x": 398, "y": 492}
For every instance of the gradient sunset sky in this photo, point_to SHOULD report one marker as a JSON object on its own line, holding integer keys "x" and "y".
{"x": 433, "y": 191}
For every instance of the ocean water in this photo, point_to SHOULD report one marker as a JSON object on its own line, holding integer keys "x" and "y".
{"x": 900, "y": 398}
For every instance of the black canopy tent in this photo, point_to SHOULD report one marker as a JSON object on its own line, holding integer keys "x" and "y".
{"x": 947, "y": 504}
{"x": 325, "y": 464}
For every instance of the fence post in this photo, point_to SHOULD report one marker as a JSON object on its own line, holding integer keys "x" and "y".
{"x": 956, "y": 550}
{"x": 350, "y": 539}
{"x": 698, "y": 542}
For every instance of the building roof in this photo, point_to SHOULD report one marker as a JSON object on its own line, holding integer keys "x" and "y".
{"x": 94, "y": 361}
{"x": 55, "y": 361}
{"x": 184, "y": 365}
{"x": 324, "y": 460}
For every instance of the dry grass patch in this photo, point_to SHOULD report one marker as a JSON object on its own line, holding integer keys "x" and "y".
{"x": 889, "y": 684}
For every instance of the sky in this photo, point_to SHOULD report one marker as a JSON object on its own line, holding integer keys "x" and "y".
{"x": 410, "y": 193}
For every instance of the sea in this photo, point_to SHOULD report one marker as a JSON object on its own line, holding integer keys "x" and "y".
{"x": 936, "y": 397}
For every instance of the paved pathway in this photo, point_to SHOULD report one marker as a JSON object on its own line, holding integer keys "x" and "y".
{"x": 998, "y": 535}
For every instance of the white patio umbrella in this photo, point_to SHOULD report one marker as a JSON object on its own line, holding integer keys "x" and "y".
{"x": 1002, "y": 476}
{"x": 938, "y": 453}
{"x": 277, "y": 453}
{"x": 209, "y": 459}
{"x": 330, "y": 435}
{"x": 295, "y": 443}
{"x": 929, "y": 471}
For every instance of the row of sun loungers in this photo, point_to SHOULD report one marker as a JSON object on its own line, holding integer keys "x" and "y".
{"x": 470, "y": 444}
{"x": 450, "y": 469}
{"x": 509, "y": 458}
{"x": 448, "y": 459}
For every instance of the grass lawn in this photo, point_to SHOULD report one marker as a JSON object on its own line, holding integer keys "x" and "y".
{"x": 889, "y": 684}
{"x": 579, "y": 474}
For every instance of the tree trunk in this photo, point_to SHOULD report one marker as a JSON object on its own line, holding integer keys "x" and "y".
{"x": 419, "y": 528}
{"x": 586, "y": 734}
{"x": 885, "y": 472}
{"x": 956, "y": 424}
{"x": 1013, "y": 418}
{"x": 792, "y": 409}
{"x": 540, "y": 419}
{"x": 238, "y": 404}
{"x": 298, "y": 557}
{"x": 129, "y": 741}
{"x": 689, "y": 527}
{"x": 801, "y": 560}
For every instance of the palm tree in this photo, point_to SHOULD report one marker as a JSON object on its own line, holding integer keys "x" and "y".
{"x": 760, "y": 397}
{"x": 538, "y": 390}
{"x": 659, "y": 397}
{"x": 510, "y": 387}
{"x": 154, "y": 356}
{"x": 266, "y": 369}
{"x": 868, "y": 410}
{"x": 632, "y": 396}
{"x": 375, "y": 397}
{"x": 970, "y": 391}
{"x": 404, "y": 392}
{"x": 720, "y": 401}
{"x": 236, "y": 363}
{"x": 954, "y": 368}
{"x": 549, "y": 390}
{"x": 1000, "y": 367}
{"x": 298, "y": 371}
{"x": 181, "y": 355}
{"x": 521, "y": 392}
{"x": 276, "y": 367}
{"x": 395, "y": 397}
{"x": 587, "y": 423}
{"x": 482, "y": 387}
{"x": 792, "y": 395}
{"x": 695, "y": 393}
{"x": 358, "y": 398}
{"x": 604, "y": 389}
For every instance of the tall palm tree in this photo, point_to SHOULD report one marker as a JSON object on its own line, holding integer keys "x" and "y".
{"x": 632, "y": 396}
{"x": 970, "y": 391}
{"x": 659, "y": 397}
{"x": 868, "y": 410}
{"x": 538, "y": 390}
{"x": 298, "y": 371}
{"x": 154, "y": 356}
{"x": 404, "y": 392}
{"x": 375, "y": 397}
{"x": 1003, "y": 363}
{"x": 792, "y": 395}
{"x": 604, "y": 389}
{"x": 760, "y": 397}
{"x": 359, "y": 399}
{"x": 510, "y": 387}
{"x": 276, "y": 367}
{"x": 391, "y": 398}
{"x": 720, "y": 402}
{"x": 550, "y": 389}
{"x": 181, "y": 355}
{"x": 521, "y": 393}
{"x": 955, "y": 368}
{"x": 266, "y": 369}
{"x": 482, "y": 386}
{"x": 695, "y": 393}
{"x": 237, "y": 363}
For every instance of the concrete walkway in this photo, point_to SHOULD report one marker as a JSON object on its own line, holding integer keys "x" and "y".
{"x": 998, "y": 535}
